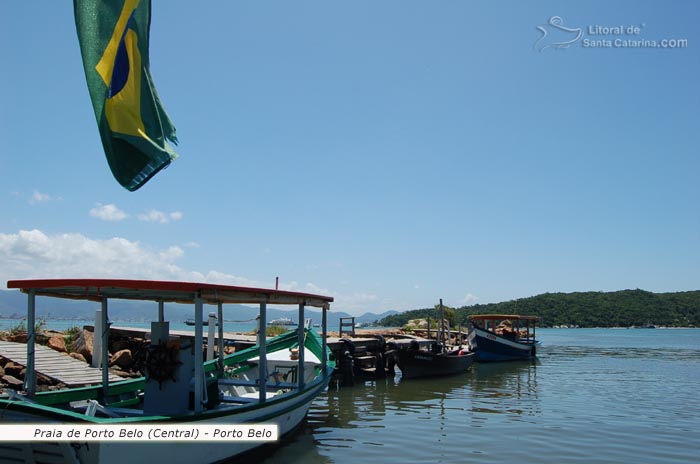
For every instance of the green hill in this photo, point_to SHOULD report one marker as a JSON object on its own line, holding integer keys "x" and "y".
{"x": 585, "y": 309}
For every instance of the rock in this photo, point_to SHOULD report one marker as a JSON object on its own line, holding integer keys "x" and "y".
{"x": 2, "y": 371}
{"x": 121, "y": 358}
{"x": 40, "y": 339}
{"x": 18, "y": 338}
{"x": 118, "y": 345}
{"x": 12, "y": 382}
{"x": 116, "y": 370}
{"x": 83, "y": 344}
{"x": 42, "y": 379}
{"x": 13, "y": 369}
{"x": 418, "y": 323}
{"x": 77, "y": 356}
{"x": 57, "y": 343}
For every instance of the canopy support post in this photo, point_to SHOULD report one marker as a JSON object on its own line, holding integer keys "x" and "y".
{"x": 198, "y": 361}
{"x": 211, "y": 326}
{"x": 30, "y": 375}
{"x": 324, "y": 345}
{"x": 262, "y": 344}
{"x": 300, "y": 335}
{"x": 105, "y": 347}
{"x": 220, "y": 315}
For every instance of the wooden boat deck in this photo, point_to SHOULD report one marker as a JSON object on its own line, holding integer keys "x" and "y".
{"x": 55, "y": 365}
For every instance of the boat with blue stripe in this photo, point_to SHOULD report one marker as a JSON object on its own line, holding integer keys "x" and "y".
{"x": 502, "y": 337}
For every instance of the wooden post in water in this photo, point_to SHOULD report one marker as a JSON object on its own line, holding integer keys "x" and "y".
{"x": 442, "y": 324}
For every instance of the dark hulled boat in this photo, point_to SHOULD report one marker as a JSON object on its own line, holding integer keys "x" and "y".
{"x": 424, "y": 363}
{"x": 502, "y": 337}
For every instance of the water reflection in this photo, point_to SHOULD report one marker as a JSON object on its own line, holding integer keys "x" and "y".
{"x": 501, "y": 388}
{"x": 587, "y": 401}
{"x": 301, "y": 446}
{"x": 509, "y": 388}
{"x": 392, "y": 412}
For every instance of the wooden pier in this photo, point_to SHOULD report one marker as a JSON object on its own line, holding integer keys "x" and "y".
{"x": 360, "y": 357}
{"x": 57, "y": 366}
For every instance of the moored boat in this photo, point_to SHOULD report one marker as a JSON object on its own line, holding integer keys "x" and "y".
{"x": 415, "y": 362}
{"x": 272, "y": 383}
{"x": 502, "y": 337}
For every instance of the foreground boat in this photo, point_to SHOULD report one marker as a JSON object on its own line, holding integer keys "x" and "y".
{"x": 272, "y": 383}
{"x": 424, "y": 363}
{"x": 502, "y": 337}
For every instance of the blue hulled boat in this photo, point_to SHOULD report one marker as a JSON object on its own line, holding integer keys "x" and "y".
{"x": 502, "y": 337}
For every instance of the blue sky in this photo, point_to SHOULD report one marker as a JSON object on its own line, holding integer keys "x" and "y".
{"x": 388, "y": 153}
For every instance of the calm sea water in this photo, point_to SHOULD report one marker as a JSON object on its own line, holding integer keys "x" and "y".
{"x": 592, "y": 396}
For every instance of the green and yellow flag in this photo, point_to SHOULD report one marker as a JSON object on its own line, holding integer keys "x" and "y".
{"x": 134, "y": 127}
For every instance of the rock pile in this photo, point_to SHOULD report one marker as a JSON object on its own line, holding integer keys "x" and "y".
{"x": 127, "y": 356}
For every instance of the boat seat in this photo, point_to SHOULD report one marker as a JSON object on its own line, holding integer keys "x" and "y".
{"x": 247, "y": 398}
{"x": 254, "y": 383}
{"x": 237, "y": 399}
{"x": 91, "y": 407}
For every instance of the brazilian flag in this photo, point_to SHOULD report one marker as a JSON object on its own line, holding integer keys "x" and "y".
{"x": 134, "y": 127}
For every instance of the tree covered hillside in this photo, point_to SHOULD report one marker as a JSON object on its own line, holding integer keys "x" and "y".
{"x": 585, "y": 309}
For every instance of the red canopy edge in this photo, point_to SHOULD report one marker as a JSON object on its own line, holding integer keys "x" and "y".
{"x": 167, "y": 291}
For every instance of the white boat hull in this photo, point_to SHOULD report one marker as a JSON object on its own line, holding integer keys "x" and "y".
{"x": 287, "y": 415}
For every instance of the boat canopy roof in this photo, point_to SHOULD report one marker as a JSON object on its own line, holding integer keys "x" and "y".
{"x": 166, "y": 291}
{"x": 490, "y": 317}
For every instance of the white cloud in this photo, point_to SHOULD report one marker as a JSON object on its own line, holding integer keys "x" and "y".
{"x": 216, "y": 277}
{"x": 469, "y": 299}
{"x": 32, "y": 254}
{"x": 154, "y": 215}
{"x": 108, "y": 212}
{"x": 39, "y": 197}
{"x": 352, "y": 303}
